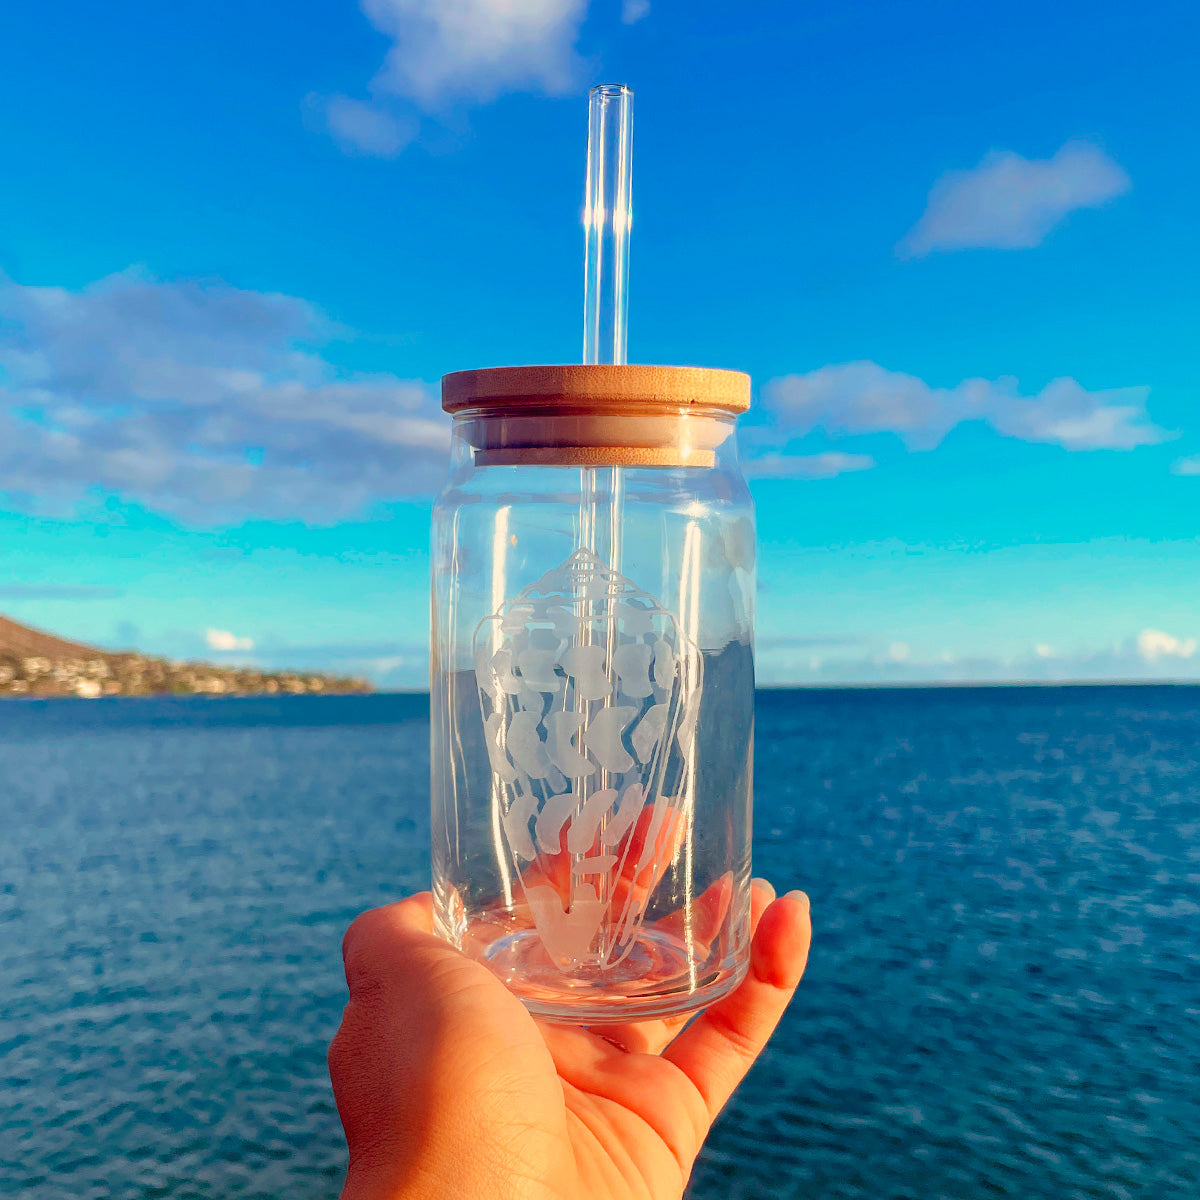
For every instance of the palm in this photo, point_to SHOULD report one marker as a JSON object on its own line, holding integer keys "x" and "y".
{"x": 441, "y": 1074}
{"x": 635, "y": 1122}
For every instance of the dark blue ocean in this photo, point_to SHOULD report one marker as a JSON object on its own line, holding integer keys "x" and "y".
{"x": 1003, "y": 998}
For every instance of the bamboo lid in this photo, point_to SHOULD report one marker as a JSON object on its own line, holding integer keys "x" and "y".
{"x": 597, "y": 414}
{"x": 601, "y": 387}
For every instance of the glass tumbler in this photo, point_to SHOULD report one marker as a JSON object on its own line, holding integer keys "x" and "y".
{"x": 592, "y": 686}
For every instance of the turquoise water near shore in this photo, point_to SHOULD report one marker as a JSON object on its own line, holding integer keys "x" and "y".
{"x": 1003, "y": 997}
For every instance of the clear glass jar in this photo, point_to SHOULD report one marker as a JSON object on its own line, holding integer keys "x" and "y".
{"x": 592, "y": 687}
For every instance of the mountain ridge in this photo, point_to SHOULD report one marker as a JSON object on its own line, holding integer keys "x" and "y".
{"x": 27, "y": 641}
{"x": 34, "y": 662}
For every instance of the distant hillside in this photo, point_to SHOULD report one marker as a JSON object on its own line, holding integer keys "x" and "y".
{"x": 35, "y": 663}
{"x": 22, "y": 641}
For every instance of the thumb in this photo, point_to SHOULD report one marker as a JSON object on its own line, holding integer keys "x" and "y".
{"x": 421, "y": 1021}
{"x": 383, "y": 1058}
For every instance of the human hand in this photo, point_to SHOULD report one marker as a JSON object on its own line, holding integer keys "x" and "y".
{"x": 447, "y": 1087}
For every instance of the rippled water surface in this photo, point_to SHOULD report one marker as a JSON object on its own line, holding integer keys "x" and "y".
{"x": 1003, "y": 998}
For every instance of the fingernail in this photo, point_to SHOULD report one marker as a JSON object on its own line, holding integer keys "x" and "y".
{"x": 765, "y": 884}
{"x": 797, "y": 894}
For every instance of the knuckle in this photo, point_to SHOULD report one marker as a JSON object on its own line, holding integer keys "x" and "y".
{"x": 744, "y": 1043}
{"x": 359, "y": 933}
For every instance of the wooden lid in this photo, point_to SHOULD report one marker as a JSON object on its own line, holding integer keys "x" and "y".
{"x": 597, "y": 387}
{"x": 596, "y": 415}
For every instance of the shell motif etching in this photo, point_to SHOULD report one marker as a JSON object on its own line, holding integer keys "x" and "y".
{"x": 589, "y": 695}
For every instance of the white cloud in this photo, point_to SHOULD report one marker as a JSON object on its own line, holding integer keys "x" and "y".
{"x": 476, "y": 48}
{"x": 222, "y": 639}
{"x": 863, "y": 397}
{"x": 633, "y": 11}
{"x": 807, "y": 466}
{"x": 448, "y": 51}
{"x": 1153, "y": 644}
{"x": 365, "y": 129}
{"x": 1186, "y": 466}
{"x": 1009, "y": 202}
{"x": 1151, "y": 655}
{"x": 200, "y": 400}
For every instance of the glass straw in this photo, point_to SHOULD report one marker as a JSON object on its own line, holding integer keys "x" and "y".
{"x": 607, "y": 220}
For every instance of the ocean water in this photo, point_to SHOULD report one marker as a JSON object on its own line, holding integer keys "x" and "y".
{"x": 1003, "y": 997}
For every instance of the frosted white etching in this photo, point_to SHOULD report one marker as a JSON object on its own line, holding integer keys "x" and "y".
{"x": 589, "y": 694}
{"x": 633, "y": 669}
{"x": 525, "y": 748}
{"x": 564, "y": 727}
{"x": 582, "y": 835}
{"x": 550, "y": 821}
{"x": 586, "y": 665}
{"x": 631, "y": 805}
{"x": 649, "y": 732}
{"x": 516, "y": 825}
{"x": 604, "y": 738}
{"x": 566, "y": 934}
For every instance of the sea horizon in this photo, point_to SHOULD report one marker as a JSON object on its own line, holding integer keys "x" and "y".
{"x": 850, "y": 686}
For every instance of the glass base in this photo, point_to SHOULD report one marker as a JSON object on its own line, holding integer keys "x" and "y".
{"x": 658, "y": 978}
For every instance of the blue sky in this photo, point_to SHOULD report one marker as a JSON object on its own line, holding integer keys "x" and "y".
{"x": 955, "y": 245}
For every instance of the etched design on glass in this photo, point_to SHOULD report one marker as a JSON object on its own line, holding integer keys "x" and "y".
{"x": 589, "y": 693}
